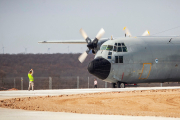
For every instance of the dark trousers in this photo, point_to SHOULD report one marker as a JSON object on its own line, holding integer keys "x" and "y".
{"x": 95, "y": 86}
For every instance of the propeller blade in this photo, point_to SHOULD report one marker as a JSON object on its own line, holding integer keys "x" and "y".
{"x": 83, "y": 33}
{"x": 127, "y": 32}
{"x": 83, "y": 56}
{"x": 112, "y": 37}
{"x": 146, "y": 33}
{"x": 100, "y": 34}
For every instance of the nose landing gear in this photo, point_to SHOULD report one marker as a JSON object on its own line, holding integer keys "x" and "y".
{"x": 118, "y": 85}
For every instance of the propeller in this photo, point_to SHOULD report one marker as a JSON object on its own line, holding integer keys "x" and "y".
{"x": 112, "y": 37}
{"x": 83, "y": 56}
{"x": 146, "y": 33}
{"x": 92, "y": 45}
{"x": 127, "y": 32}
{"x": 83, "y": 33}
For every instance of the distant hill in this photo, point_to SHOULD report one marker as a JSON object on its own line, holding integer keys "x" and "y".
{"x": 44, "y": 65}
{"x": 63, "y": 68}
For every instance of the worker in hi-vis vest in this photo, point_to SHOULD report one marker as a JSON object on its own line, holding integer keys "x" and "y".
{"x": 31, "y": 80}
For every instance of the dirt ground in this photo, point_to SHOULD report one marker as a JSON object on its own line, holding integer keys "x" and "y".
{"x": 136, "y": 103}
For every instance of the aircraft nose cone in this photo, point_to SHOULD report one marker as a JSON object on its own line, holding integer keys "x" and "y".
{"x": 100, "y": 68}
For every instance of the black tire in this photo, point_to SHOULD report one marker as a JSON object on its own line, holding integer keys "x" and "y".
{"x": 113, "y": 85}
{"x": 122, "y": 85}
{"x": 118, "y": 84}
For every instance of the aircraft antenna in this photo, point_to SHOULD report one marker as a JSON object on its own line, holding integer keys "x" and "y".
{"x": 166, "y": 30}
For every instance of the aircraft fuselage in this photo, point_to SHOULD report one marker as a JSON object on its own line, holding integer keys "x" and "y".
{"x": 138, "y": 60}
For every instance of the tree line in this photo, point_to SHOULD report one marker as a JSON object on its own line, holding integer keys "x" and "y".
{"x": 63, "y": 68}
{"x": 44, "y": 65}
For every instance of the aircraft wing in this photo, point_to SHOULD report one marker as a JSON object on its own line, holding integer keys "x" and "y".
{"x": 69, "y": 41}
{"x": 65, "y": 41}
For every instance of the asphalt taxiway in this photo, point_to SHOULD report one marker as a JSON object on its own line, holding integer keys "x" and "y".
{"x": 17, "y": 114}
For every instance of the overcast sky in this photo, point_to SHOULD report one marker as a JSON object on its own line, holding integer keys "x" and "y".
{"x": 25, "y": 22}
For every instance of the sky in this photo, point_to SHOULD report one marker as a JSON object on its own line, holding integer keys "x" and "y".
{"x": 25, "y": 22}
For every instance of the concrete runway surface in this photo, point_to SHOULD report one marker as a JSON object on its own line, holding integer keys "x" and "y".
{"x": 17, "y": 114}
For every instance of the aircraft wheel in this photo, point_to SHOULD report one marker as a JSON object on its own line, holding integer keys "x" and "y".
{"x": 122, "y": 85}
{"x": 118, "y": 84}
{"x": 113, "y": 85}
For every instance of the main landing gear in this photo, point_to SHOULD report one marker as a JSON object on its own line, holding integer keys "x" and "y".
{"x": 113, "y": 85}
{"x": 118, "y": 85}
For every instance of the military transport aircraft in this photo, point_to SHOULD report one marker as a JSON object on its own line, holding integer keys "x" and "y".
{"x": 131, "y": 60}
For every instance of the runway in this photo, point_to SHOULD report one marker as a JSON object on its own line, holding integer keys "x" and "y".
{"x": 16, "y": 114}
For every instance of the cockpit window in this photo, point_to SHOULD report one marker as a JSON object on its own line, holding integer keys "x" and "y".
{"x": 119, "y": 49}
{"x": 119, "y": 44}
{"x": 109, "y": 47}
{"x": 110, "y": 53}
{"x": 124, "y": 49}
{"x": 103, "y": 47}
{"x": 114, "y": 48}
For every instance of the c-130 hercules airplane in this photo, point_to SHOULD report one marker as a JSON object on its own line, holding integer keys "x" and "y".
{"x": 131, "y": 60}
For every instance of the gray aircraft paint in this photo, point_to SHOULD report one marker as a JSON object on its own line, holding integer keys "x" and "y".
{"x": 139, "y": 65}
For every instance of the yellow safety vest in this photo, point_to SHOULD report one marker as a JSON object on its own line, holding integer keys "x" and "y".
{"x": 30, "y": 77}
